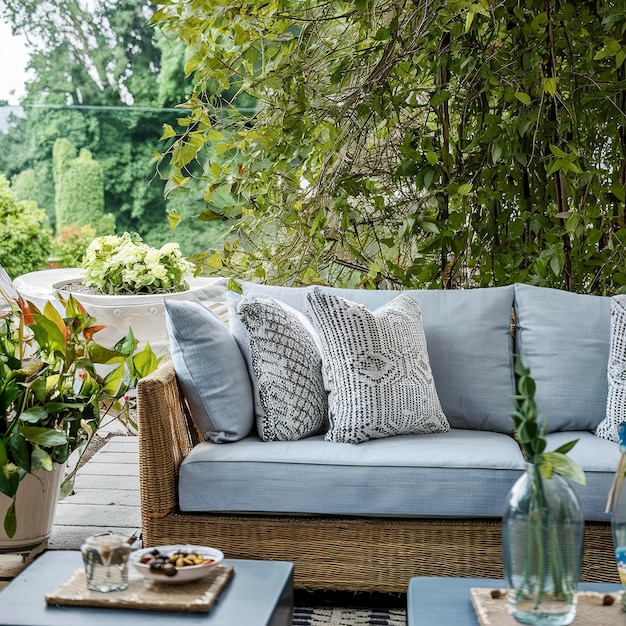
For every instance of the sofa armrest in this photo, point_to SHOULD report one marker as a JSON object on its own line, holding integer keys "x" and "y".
{"x": 166, "y": 436}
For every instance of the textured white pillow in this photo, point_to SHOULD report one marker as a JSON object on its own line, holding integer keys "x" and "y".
{"x": 616, "y": 373}
{"x": 376, "y": 369}
{"x": 287, "y": 365}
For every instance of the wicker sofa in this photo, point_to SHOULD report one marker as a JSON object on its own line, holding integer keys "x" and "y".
{"x": 437, "y": 513}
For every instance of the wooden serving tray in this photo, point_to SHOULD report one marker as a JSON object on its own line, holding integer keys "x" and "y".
{"x": 593, "y": 608}
{"x": 193, "y": 597}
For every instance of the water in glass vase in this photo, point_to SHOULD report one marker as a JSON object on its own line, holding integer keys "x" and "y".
{"x": 542, "y": 535}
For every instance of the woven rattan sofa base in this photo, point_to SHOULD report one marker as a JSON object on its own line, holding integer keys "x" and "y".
{"x": 336, "y": 553}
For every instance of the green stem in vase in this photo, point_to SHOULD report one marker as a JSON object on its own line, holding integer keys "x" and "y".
{"x": 545, "y": 569}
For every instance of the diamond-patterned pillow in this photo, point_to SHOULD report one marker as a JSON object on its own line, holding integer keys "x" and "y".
{"x": 376, "y": 369}
{"x": 287, "y": 365}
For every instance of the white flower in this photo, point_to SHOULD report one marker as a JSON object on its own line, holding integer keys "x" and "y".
{"x": 126, "y": 264}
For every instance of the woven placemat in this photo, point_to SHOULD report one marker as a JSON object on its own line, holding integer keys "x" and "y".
{"x": 193, "y": 597}
{"x": 593, "y": 608}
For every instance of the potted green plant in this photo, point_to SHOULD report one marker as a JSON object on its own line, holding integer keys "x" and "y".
{"x": 52, "y": 395}
{"x": 543, "y": 525}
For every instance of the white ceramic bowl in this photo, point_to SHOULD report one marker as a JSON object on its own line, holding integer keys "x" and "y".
{"x": 183, "y": 574}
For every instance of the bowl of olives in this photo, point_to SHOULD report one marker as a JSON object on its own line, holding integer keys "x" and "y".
{"x": 175, "y": 564}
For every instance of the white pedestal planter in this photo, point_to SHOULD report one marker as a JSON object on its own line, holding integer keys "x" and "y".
{"x": 145, "y": 314}
{"x": 35, "y": 505}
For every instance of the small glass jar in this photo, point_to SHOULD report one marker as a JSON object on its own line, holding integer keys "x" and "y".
{"x": 105, "y": 558}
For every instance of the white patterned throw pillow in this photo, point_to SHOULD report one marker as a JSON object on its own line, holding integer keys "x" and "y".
{"x": 288, "y": 367}
{"x": 616, "y": 373}
{"x": 376, "y": 369}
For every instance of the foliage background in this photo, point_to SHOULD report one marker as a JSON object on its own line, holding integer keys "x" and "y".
{"x": 409, "y": 143}
{"x": 104, "y": 80}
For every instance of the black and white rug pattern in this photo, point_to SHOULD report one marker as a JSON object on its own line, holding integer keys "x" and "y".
{"x": 332, "y": 616}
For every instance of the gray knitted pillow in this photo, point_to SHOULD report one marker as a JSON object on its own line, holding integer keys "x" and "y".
{"x": 616, "y": 373}
{"x": 287, "y": 365}
{"x": 376, "y": 368}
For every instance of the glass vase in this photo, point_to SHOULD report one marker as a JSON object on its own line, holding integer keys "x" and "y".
{"x": 617, "y": 506}
{"x": 542, "y": 540}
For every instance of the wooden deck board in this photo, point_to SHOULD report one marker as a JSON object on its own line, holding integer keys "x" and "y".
{"x": 99, "y": 481}
{"x": 105, "y": 497}
{"x": 102, "y": 496}
{"x": 70, "y": 514}
{"x": 96, "y": 468}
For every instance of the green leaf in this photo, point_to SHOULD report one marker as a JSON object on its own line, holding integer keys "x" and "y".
{"x": 566, "y": 447}
{"x": 524, "y": 98}
{"x": 469, "y": 18}
{"x": 235, "y": 286}
{"x": 382, "y": 34}
{"x": 112, "y": 381}
{"x": 191, "y": 65}
{"x": 558, "y": 152}
{"x": 34, "y": 415}
{"x": 173, "y": 218}
{"x": 20, "y": 450}
{"x": 619, "y": 192}
{"x": 10, "y": 520}
{"x": 127, "y": 344}
{"x": 48, "y": 335}
{"x": 432, "y": 157}
{"x": 9, "y": 479}
{"x": 429, "y": 227}
{"x": 168, "y": 132}
{"x": 557, "y": 165}
{"x": 41, "y": 460}
{"x": 145, "y": 362}
{"x": 43, "y": 436}
{"x": 440, "y": 98}
{"x": 549, "y": 86}
{"x": 564, "y": 465}
{"x": 100, "y": 354}
{"x": 73, "y": 308}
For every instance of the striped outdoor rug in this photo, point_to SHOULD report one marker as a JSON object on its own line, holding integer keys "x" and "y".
{"x": 331, "y": 616}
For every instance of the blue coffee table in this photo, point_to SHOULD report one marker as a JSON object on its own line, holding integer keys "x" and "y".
{"x": 259, "y": 594}
{"x": 438, "y": 601}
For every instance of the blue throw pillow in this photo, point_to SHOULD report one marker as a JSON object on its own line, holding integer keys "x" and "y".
{"x": 564, "y": 339}
{"x": 211, "y": 370}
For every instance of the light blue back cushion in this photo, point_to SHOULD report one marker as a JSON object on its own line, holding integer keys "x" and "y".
{"x": 468, "y": 336}
{"x": 211, "y": 371}
{"x": 564, "y": 339}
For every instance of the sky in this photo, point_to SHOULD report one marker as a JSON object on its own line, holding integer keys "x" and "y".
{"x": 12, "y": 69}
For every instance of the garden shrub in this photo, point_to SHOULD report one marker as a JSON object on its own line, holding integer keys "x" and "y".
{"x": 70, "y": 244}
{"x": 24, "y": 234}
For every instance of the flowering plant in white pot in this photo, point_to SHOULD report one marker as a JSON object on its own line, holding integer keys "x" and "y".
{"x": 125, "y": 265}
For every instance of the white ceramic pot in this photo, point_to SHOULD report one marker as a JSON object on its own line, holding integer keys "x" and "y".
{"x": 35, "y": 506}
{"x": 145, "y": 314}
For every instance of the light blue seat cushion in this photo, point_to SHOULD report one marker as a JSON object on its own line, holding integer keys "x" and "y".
{"x": 211, "y": 371}
{"x": 460, "y": 473}
{"x": 468, "y": 336}
{"x": 564, "y": 339}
